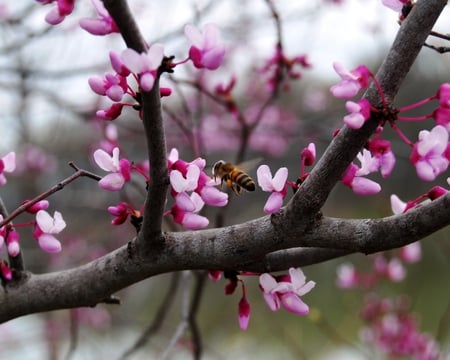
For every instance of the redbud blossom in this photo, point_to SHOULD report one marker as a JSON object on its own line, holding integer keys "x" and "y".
{"x": 7, "y": 164}
{"x": 45, "y": 227}
{"x": 276, "y": 185}
{"x": 117, "y": 64}
{"x": 145, "y": 65}
{"x": 112, "y": 85}
{"x": 429, "y": 153}
{"x": 103, "y": 24}
{"x": 185, "y": 210}
{"x": 308, "y": 154}
{"x": 3, "y": 232}
{"x": 243, "y": 312}
{"x": 359, "y": 113}
{"x": 287, "y": 292}
{"x": 347, "y": 277}
{"x": 120, "y": 169}
{"x": 352, "y": 81}
{"x": 353, "y": 176}
{"x": 206, "y": 50}
{"x": 381, "y": 149}
{"x": 12, "y": 243}
{"x": 411, "y": 253}
{"x": 59, "y": 12}
{"x": 110, "y": 114}
{"x": 40, "y": 205}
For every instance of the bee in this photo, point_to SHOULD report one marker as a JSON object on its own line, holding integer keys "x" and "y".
{"x": 235, "y": 178}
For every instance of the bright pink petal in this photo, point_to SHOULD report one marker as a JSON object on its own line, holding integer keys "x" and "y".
{"x": 194, "y": 222}
{"x": 213, "y": 196}
{"x": 294, "y": 304}
{"x": 184, "y": 202}
{"x": 363, "y": 186}
{"x": 244, "y": 313}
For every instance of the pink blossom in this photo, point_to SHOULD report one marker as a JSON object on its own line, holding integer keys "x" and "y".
{"x": 429, "y": 153}
{"x": 244, "y": 313}
{"x": 145, "y": 65}
{"x": 352, "y": 81}
{"x": 347, "y": 277}
{"x": 3, "y": 232}
{"x": 110, "y": 114}
{"x": 7, "y": 164}
{"x": 40, "y": 205}
{"x": 185, "y": 211}
{"x": 12, "y": 243}
{"x": 353, "y": 176}
{"x": 60, "y": 11}
{"x": 381, "y": 149}
{"x": 206, "y": 50}
{"x": 103, "y": 24}
{"x": 395, "y": 5}
{"x": 112, "y": 85}
{"x": 411, "y": 253}
{"x": 308, "y": 154}
{"x": 287, "y": 291}
{"x": 215, "y": 275}
{"x": 359, "y": 113}
{"x": 120, "y": 169}
{"x": 397, "y": 205}
{"x": 276, "y": 185}
{"x": 45, "y": 227}
{"x": 117, "y": 64}
{"x": 189, "y": 183}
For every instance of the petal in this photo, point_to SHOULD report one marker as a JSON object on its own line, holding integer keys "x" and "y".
{"x": 397, "y": 205}
{"x": 194, "y": 222}
{"x": 279, "y": 180}
{"x": 267, "y": 282}
{"x": 49, "y": 243}
{"x": 272, "y": 301}
{"x": 9, "y": 162}
{"x": 213, "y": 196}
{"x": 193, "y": 34}
{"x": 146, "y": 81}
{"x": 294, "y": 304}
{"x": 264, "y": 178}
{"x": 363, "y": 186}
{"x": 298, "y": 278}
{"x": 274, "y": 203}
{"x": 244, "y": 313}
{"x": 132, "y": 60}
{"x": 184, "y": 202}
{"x": 112, "y": 182}
{"x": 104, "y": 160}
{"x": 44, "y": 221}
{"x": 58, "y": 223}
{"x": 177, "y": 181}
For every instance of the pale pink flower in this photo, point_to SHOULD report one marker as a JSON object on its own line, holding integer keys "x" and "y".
{"x": 276, "y": 185}
{"x": 7, "y": 164}
{"x": 429, "y": 153}
{"x": 120, "y": 169}
{"x": 45, "y": 227}
{"x": 286, "y": 292}
{"x": 185, "y": 211}
{"x": 206, "y": 51}
{"x": 103, "y": 24}
{"x": 411, "y": 253}
{"x": 359, "y": 113}
{"x": 145, "y": 65}
{"x": 398, "y": 206}
{"x": 12, "y": 243}
{"x": 353, "y": 178}
{"x": 59, "y": 12}
{"x": 347, "y": 277}
{"x": 352, "y": 81}
{"x": 189, "y": 183}
{"x": 113, "y": 86}
{"x": 308, "y": 154}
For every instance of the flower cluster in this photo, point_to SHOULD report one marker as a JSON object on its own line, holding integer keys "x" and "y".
{"x": 279, "y": 291}
{"x": 394, "y": 331}
{"x": 7, "y": 165}
{"x": 430, "y": 154}
{"x": 120, "y": 169}
{"x": 192, "y": 188}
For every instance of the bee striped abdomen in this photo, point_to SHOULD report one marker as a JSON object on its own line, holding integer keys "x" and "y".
{"x": 242, "y": 179}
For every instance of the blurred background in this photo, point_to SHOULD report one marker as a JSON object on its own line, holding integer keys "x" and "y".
{"x": 48, "y": 119}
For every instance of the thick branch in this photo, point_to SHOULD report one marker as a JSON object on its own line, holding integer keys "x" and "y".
{"x": 253, "y": 246}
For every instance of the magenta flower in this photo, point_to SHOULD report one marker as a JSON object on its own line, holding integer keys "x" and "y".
{"x": 353, "y": 176}
{"x": 206, "y": 50}
{"x": 117, "y": 64}
{"x": 44, "y": 229}
{"x": 110, "y": 114}
{"x": 308, "y": 154}
{"x": 244, "y": 312}
{"x": 359, "y": 113}
{"x": 60, "y": 11}
{"x": 352, "y": 81}
{"x": 103, "y": 24}
{"x": 185, "y": 211}
{"x": 429, "y": 153}
{"x": 112, "y": 85}
{"x": 286, "y": 292}
{"x": 275, "y": 185}
{"x": 381, "y": 149}
{"x": 5, "y": 270}
{"x": 12, "y": 243}
{"x": 120, "y": 169}
{"x": 145, "y": 65}
{"x": 7, "y": 164}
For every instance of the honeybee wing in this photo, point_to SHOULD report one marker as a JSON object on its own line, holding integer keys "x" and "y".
{"x": 248, "y": 165}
